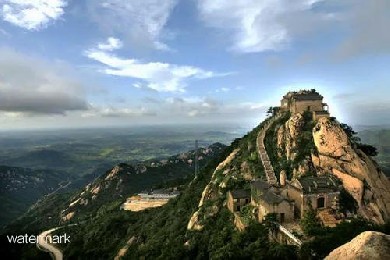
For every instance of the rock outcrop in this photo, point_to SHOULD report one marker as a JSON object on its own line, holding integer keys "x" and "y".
{"x": 287, "y": 143}
{"x": 287, "y": 136}
{"x": 210, "y": 192}
{"x": 360, "y": 175}
{"x": 368, "y": 245}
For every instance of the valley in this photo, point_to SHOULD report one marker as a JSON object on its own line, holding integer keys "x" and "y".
{"x": 38, "y": 163}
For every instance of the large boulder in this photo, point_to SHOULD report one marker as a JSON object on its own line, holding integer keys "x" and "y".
{"x": 368, "y": 245}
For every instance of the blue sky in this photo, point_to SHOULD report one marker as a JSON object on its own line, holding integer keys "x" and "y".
{"x": 67, "y": 63}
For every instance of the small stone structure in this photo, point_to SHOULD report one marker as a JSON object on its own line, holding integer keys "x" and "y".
{"x": 318, "y": 192}
{"x": 305, "y": 100}
{"x": 236, "y": 199}
{"x": 268, "y": 199}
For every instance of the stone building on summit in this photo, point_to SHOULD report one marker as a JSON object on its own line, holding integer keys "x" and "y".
{"x": 305, "y": 100}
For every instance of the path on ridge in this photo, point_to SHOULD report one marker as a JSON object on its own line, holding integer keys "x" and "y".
{"x": 43, "y": 245}
{"x": 47, "y": 247}
{"x": 269, "y": 170}
{"x": 271, "y": 177}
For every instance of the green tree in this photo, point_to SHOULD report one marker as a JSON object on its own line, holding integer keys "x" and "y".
{"x": 350, "y": 133}
{"x": 270, "y": 222}
{"x": 310, "y": 223}
{"x": 270, "y": 111}
{"x": 368, "y": 149}
{"x": 279, "y": 251}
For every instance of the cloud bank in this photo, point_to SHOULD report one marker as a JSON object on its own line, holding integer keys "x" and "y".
{"x": 30, "y": 86}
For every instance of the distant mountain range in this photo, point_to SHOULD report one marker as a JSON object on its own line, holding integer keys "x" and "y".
{"x": 20, "y": 187}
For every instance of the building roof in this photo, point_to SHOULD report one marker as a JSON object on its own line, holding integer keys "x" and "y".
{"x": 310, "y": 96}
{"x": 260, "y": 185}
{"x": 271, "y": 198}
{"x": 319, "y": 184}
{"x": 267, "y": 193}
{"x": 240, "y": 194}
{"x": 321, "y": 112}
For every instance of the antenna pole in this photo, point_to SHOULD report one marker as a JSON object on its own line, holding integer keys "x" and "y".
{"x": 196, "y": 158}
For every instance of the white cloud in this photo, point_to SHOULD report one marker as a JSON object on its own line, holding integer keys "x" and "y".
{"x": 140, "y": 21}
{"x": 191, "y": 106}
{"x": 31, "y": 86}
{"x": 258, "y": 26}
{"x": 162, "y": 77}
{"x": 208, "y": 108}
{"x": 273, "y": 25}
{"x": 111, "y": 44}
{"x": 109, "y": 111}
{"x": 32, "y": 14}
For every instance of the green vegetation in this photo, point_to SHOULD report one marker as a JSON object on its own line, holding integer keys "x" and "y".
{"x": 32, "y": 223}
{"x": 356, "y": 141}
{"x": 270, "y": 142}
{"x": 248, "y": 153}
{"x": 246, "y": 214}
{"x": 305, "y": 145}
{"x": 80, "y": 152}
{"x": 310, "y": 223}
{"x": 161, "y": 233}
{"x": 347, "y": 202}
{"x": 21, "y": 187}
{"x": 327, "y": 239}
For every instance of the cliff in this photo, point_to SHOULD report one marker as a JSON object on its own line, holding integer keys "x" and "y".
{"x": 304, "y": 146}
{"x": 367, "y": 245}
{"x": 360, "y": 174}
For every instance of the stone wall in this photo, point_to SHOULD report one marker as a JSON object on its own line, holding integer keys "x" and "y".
{"x": 283, "y": 207}
{"x": 232, "y": 203}
{"x": 313, "y": 199}
{"x": 299, "y": 106}
{"x": 295, "y": 195}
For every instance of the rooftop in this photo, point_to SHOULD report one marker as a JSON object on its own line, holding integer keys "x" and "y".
{"x": 304, "y": 95}
{"x": 324, "y": 112}
{"x": 271, "y": 198}
{"x": 240, "y": 194}
{"x": 308, "y": 97}
{"x": 260, "y": 185}
{"x": 319, "y": 184}
{"x": 267, "y": 193}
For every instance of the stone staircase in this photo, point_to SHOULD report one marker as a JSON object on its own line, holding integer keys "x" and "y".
{"x": 269, "y": 170}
